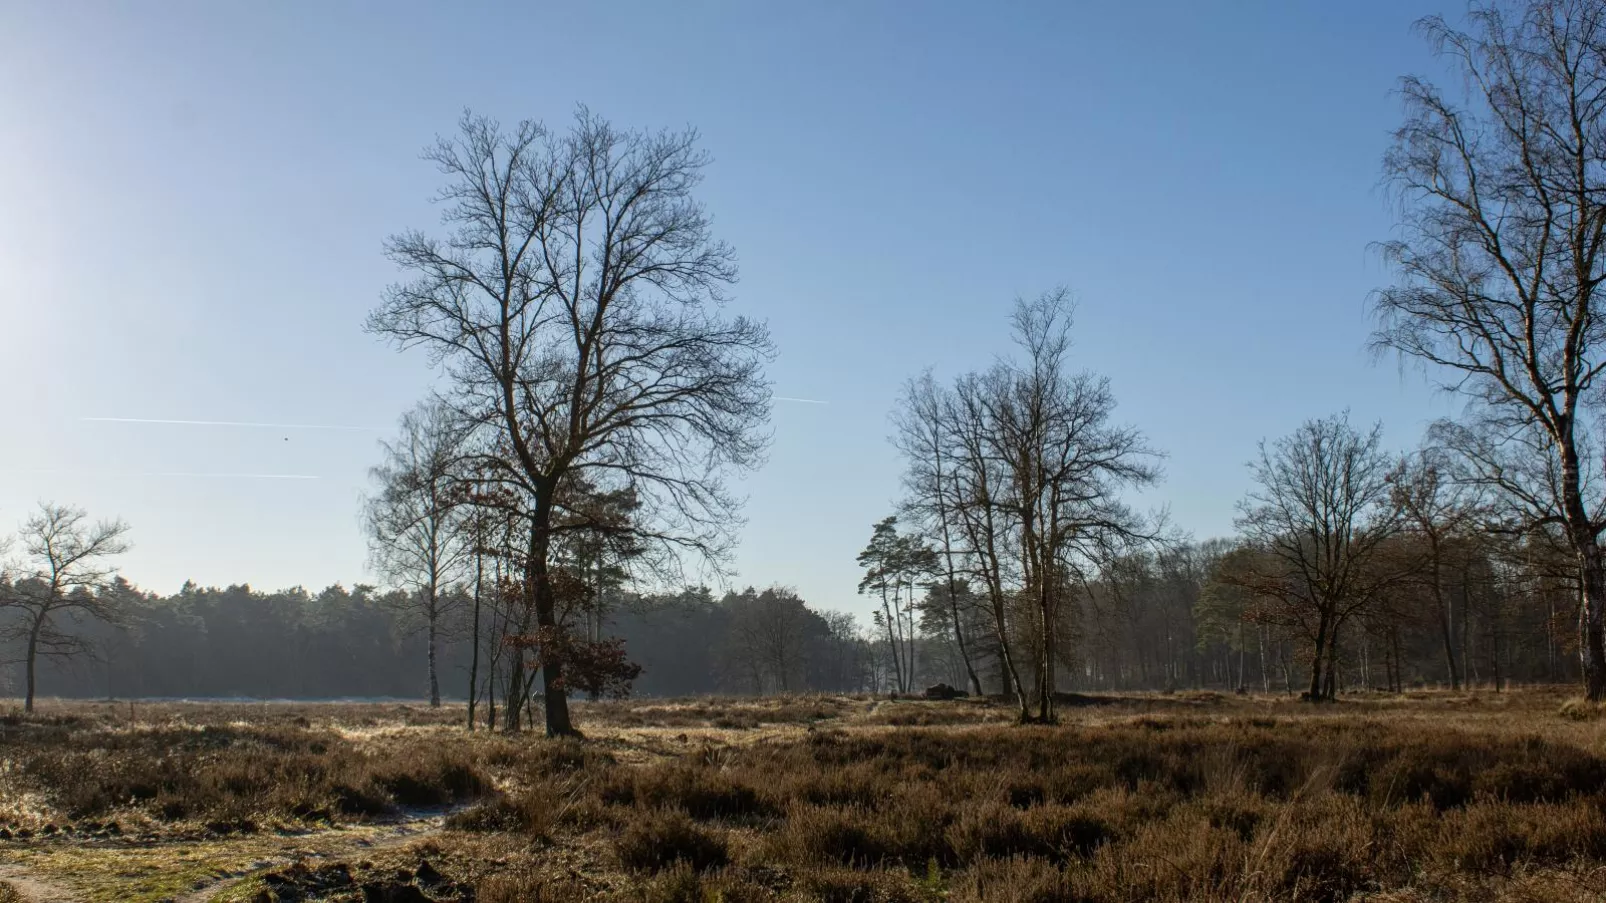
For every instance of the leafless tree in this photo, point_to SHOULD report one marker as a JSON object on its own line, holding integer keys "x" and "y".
{"x": 1503, "y": 191}
{"x": 1316, "y": 526}
{"x": 574, "y": 300}
{"x": 1440, "y": 510}
{"x": 63, "y": 576}
{"x": 767, "y": 634}
{"x": 930, "y": 496}
{"x": 1067, "y": 465}
{"x": 417, "y": 538}
{"x": 985, "y": 524}
{"x": 1025, "y": 469}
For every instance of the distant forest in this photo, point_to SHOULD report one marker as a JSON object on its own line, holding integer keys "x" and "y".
{"x": 1157, "y": 622}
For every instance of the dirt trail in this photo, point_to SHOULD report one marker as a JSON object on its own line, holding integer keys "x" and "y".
{"x": 65, "y": 873}
{"x": 33, "y": 889}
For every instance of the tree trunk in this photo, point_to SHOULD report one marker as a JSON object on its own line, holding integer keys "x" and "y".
{"x": 1446, "y": 616}
{"x": 33, "y": 658}
{"x": 540, "y": 588}
{"x": 1399, "y": 662}
{"x": 1241, "y": 653}
{"x": 1260, "y": 647}
{"x": 1045, "y": 673}
{"x": 434, "y": 640}
{"x": 1317, "y": 654}
{"x": 490, "y": 697}
{"x": 474, "y": 650}
{"x": 513, "y": 696}
{"x": 892, "y": 644}
{"x": 1330, "y": 679}
{"x": 1592, "y": 622}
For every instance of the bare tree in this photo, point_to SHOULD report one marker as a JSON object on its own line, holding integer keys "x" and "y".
{"x": 1501, "y": 258}
{"x": 63, "y": 576}
{"x": 1019, "y": 471}
{"x": 1440, "y": 510}
{"x": 1067, "y": 465}
{"x": 415, "y": 521}
{"x": 574, "y": 302}
{"x": 930, "y": 499}
{"x": 985, "y": 524}
{"x": 1316, "y": 526}
{"x": 768, "y": 636}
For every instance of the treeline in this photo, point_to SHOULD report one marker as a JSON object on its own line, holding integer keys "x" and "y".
{"x": 1170, "y": 619}
{"x": 364, "y": 642}
{"x": 1018, "y": 557}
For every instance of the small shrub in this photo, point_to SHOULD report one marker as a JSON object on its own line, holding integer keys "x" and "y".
{"x": 816, "y": 834}
{"x": 657, "y": 840}
{"x": 1582, "y": 710}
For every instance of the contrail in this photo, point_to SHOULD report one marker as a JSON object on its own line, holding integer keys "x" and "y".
{"x": 798, "y": 400}
{"x": 175, "y": 473}
{"x": 275, "y": 426}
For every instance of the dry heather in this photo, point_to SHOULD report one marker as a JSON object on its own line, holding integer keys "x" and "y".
{"x": 1196, "y": 797}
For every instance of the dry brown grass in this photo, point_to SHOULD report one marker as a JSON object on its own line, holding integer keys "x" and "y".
{"x": 1187, "y": 797}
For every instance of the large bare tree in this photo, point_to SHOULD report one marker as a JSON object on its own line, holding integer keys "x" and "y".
{"x": 1068, "y": 465}
{"x": 1503, "y": 193}
{"x": 1026, "y": 467}
{"x": 416, "y": 520}
{"x": 574, "y": 299}
{"x": 64, "y": 575}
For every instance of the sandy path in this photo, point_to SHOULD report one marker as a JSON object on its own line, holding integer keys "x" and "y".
{"x": 33, "y": 889}
{"x": 245, "y": 857}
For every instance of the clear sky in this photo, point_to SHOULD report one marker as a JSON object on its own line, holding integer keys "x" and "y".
{"x": 193, "y": 197}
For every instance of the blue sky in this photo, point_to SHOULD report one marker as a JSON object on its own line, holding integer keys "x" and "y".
{"x": 193, "y": 197}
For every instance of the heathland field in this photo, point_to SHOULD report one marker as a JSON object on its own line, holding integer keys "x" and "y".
{"x": 1174, "y": 797}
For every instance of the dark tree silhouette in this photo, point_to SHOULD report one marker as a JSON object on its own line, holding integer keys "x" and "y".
{"x": 64, "y": 576}
{"x": 1316, "y": 526}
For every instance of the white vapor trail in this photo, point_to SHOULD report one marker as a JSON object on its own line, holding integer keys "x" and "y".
{"x": 798, "y": 400}
{"x": 276, "y": 426}
{"x": 176, "y": 473}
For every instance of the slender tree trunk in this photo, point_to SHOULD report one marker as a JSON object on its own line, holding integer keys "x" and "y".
{"x": 33, "y": 658}
{"x": 1399, "y": 663}
{"x": 1366, "y": 658}
{"x": 953, "y": 583}
{"x": 434, "y": 640}
{"x": 892, "y": 644}
{"x": 490, "y": 702}
{"x": 1011, "y": 672}
{"x": 1242, "y": 651}
{"x": 1330, "y": 679}
{"x": 474, "y": 650}
{"x": 1260, "y": 648}
{"x": 1446, "y": 616}
{"x": 910, "y": 637}
{"x": 959, "y": 635}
